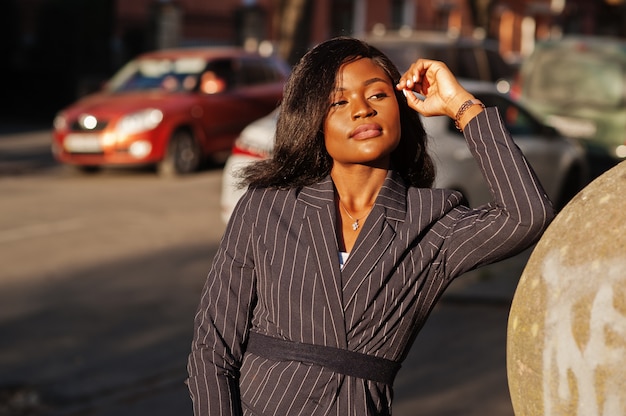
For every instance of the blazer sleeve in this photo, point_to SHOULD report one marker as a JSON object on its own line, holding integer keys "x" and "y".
{"x": 222, "y": 321}
{"x": 520, "y": 209}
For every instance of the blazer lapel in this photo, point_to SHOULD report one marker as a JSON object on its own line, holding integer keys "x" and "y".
{"x": 320, "y": 220}
{"x": 376, "y": 236}
{"x": 379, "y": 231}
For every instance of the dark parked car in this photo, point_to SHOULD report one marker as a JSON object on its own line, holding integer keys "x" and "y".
{"x": 468, "y": 58}
{"x": 170, "y": 108}
{"x": 559, "y": 162}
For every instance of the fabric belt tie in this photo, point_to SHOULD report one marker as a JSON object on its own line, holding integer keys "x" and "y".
{"x": 342, "y": 361}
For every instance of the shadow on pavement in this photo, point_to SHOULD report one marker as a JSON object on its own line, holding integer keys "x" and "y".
{"x": 113, "y": 340}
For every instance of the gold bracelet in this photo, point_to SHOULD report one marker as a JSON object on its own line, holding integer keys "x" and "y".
{"x": 464, "y": 107}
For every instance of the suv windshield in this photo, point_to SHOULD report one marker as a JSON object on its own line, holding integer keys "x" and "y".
{"x": 565, "y": 79}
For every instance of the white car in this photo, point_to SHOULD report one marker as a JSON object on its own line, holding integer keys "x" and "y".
{"x": 559, "y": 162}
{"x": 255, "y": 142}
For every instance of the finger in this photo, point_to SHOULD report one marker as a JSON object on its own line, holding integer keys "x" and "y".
{"x": 407, "y": 81}
{"x": 417, "y": 75}
{"x": 413, "y": 101}
{"x": 411, "y": 83}
{"x": 409, "y": 78}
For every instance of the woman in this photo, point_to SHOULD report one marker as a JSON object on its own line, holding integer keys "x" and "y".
{"x": 338, "y": 251}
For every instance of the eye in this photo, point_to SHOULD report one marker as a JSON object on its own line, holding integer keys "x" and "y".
{"x": 339, "y": 103}
{"x": 379, "y": 96}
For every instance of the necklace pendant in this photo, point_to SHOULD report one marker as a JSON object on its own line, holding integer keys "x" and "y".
{"x": 355, "y": 225}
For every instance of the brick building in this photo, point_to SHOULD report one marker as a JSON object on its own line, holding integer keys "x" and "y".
{"x": 305, "y": 22}
{"x": 64, "y": 46}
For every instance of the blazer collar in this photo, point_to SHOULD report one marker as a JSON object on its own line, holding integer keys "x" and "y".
{"x": 392, "y": 196}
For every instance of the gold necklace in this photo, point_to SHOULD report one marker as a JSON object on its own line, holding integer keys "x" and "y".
{"x": 355, "y": 224}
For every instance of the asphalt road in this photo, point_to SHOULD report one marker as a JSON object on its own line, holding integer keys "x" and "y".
{"x": 99, "y": 280}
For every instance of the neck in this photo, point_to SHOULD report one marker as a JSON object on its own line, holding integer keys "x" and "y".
{"x": 357, "y": 189}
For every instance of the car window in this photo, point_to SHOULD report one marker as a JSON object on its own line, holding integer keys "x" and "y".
{"x": 498, "y": 66}
{"x": 256, "y": 71}
{"x": 582, "y": 78}
{"x": 224, "y": 69}
{"x": 402, "y": 55}
{"x": 465, "y": 59}
{"x": 517, "y": 120}
{"x": 468, "y": 66}
{"x": 156, "y": 74}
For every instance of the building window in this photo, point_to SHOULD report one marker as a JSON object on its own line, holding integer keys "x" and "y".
{"x": 342, "y": 17}
{"x": 397, "y": 14}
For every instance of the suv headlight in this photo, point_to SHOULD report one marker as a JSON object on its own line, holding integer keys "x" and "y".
{"x": 140, "y": 121}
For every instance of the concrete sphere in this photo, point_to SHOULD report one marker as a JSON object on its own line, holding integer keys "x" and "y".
{"x": 566, "y": 339}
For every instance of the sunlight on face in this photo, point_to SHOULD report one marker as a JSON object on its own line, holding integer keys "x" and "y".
{"x": 363, "y": 122}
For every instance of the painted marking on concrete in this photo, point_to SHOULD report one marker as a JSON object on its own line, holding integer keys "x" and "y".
{"x": 576, "y": 362}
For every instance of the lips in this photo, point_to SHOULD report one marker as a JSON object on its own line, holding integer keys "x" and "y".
{"x": 366, "y": 131}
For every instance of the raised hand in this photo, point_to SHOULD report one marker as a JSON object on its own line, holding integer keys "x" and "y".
{"x": 442, "y": 93}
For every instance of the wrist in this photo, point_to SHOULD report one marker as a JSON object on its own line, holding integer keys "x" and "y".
{"x": 455, "y": 103}
{"x": 469, "y": 109}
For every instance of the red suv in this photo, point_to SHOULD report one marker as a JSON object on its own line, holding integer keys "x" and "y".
{"x": 169, "y": 108}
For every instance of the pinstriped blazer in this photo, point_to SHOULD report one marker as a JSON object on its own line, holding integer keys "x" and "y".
{"x": 277, "y": 272}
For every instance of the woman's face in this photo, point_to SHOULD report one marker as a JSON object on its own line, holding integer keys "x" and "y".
{"x": 363, "y": 123}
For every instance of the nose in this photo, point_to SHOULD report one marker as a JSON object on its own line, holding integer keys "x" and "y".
{"x": 362, "y": 109}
